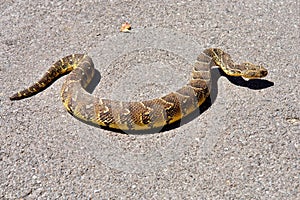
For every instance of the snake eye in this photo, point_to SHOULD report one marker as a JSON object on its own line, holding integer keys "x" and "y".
{"x": 71, "y": 62}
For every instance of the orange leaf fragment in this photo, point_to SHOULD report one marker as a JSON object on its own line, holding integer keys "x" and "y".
{"x": 126, "y": 27}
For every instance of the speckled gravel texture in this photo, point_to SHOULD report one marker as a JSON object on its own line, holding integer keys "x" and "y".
{"x": 244, "y": 146}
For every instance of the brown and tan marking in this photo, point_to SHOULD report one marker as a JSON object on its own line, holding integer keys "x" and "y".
{"x": 137, "y": 115}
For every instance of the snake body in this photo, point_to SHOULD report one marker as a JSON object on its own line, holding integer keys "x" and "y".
{"x": 140, "y": 115}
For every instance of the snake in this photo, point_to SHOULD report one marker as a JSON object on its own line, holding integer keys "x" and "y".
{"x": 137, "y": 115}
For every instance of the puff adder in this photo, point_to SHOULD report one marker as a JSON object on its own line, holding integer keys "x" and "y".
{"x": 140, "y": 115}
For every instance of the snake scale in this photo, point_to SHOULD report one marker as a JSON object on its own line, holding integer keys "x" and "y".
{"x": 141, "y": 115}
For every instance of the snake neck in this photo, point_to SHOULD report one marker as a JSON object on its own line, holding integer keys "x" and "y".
{"x": 224, "y": 61}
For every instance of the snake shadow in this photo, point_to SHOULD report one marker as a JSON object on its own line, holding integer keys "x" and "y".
{"x": 216, "y": 73}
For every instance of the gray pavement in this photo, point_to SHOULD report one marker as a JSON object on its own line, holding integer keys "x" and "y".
{"x": 244, "y": 146}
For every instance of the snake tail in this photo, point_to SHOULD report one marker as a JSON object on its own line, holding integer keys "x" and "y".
{"x": 58, "y": 69}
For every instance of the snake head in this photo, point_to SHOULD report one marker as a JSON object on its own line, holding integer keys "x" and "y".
{"x": 253, "y": 71}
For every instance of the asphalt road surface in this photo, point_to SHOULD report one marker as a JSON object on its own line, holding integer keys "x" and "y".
{"x": 245, "y": 145}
